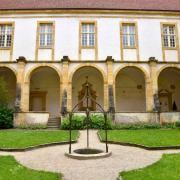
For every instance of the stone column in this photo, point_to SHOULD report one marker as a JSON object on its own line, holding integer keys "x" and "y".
{"x": 20, "y": 103}
{"x": 66, "y": 89}
{"x": 26, "y": 96}
{"x": 110, "y": 85}
{"x": 151, "y": 84}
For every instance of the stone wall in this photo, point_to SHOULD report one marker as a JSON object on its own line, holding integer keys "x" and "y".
{"x": 30, "y": 118}
{"x": 168, "y": 117}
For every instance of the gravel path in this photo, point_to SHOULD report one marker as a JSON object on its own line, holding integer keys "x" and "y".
{"x": 53, "y": 159}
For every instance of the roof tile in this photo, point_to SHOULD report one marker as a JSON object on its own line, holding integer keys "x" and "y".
{"x": 155, "y": 5}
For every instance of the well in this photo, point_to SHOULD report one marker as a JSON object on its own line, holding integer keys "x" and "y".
{"x": 88, "y": 152}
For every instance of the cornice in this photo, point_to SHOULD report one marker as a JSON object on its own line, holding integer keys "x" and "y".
{"x": 87, "y": 11}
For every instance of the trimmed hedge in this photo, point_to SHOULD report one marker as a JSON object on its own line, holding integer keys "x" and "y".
{"x": 97, "y": 122}
{"x": 146, "y": 126}
{"x": 32, "y": 126}
{"x": 6, "y": 117}
{"x": 79, "y": 122}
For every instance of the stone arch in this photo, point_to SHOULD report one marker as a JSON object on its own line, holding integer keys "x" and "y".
{"x": 104, "y": 75}
{"x": 130, "y": 89}
{"x": 96, "y": 78}
{"x": 145, "y": 73}
{"x": 169, "y": 88}
{"x": 29, "y": 73}
{"x": 165, "y": 67}
{"x": 10, "y": 76}
{"x": 44, "y": 89}
{"x": 10, "y": 68}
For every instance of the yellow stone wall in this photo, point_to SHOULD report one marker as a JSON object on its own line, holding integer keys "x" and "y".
{"x": 108, "y": 68}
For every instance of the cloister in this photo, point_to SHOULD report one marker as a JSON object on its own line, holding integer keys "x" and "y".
{"x": 133, "y": 85}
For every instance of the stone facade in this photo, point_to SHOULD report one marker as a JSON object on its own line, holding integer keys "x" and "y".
{"x": 124, "y": 80}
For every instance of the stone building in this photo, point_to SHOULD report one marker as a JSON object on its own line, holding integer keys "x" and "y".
{"x": 129, "y": 50}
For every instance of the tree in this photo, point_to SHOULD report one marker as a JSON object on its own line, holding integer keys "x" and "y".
{"x": 4, "y": 93}
{"x": 6, "y": 114}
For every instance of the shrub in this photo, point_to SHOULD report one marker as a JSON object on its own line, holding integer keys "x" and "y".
{"x": 145, "y": 126}
{"x": 4, "y": 93}
{"x": 32, "y": 126}
{"x": 79, "y": 122}
{"x": 6, "y": 117}
{"x": 97, "y": 122}
{"x": 177, "y": 124}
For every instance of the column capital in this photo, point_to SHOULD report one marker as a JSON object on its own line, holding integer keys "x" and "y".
{"x": 152, "y": 60}
{"x": 65, "y": 59}
{"x": 21, "y": 59}
{"x": 109, "y": 59}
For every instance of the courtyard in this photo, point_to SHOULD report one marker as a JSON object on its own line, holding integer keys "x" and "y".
{"x": 130, "y": 162}
{"x": 89, "y": 90}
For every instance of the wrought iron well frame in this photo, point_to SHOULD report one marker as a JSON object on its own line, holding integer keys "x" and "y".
{"x": 87, "y": 96}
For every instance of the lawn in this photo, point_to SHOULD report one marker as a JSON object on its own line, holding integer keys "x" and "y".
{"x": 149, "y": 138}
{"x": 168, "y": 168}
{"x": 26, "y": 138}
{"x": 11, "y": 169}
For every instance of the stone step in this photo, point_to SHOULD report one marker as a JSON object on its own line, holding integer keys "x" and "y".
{"x": 54, "y": 120}
{"x": 53, "y": 126}
{"x": 54, "y": 123}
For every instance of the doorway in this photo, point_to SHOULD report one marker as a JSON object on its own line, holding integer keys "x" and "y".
{"x": 38, "y": 101}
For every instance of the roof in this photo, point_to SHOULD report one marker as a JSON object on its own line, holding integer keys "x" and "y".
{"x": 145, "y": 5}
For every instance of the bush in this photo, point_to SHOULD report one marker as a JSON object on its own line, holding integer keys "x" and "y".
{"x": 79, "y": 122}
{"x": 145, "y": 126}
{"x": 177, "y": 124}
{"x": 6, "y": 117}
{"x": 4, "y": 93}
{"x": 97, "y": 122}
{"x": 32, "y": 126}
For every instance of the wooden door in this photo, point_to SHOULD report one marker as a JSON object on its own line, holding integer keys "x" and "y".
{"x": 38, "y": 101}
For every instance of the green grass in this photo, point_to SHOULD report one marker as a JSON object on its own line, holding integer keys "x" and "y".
{"x": 149, "y": 138}
{"x": 27, "y": 138}
{"x": 168, "y": 168}
{"x": 10, "y": 169}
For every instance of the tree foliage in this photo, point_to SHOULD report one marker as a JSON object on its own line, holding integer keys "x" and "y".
{"x": 4, "y": 93}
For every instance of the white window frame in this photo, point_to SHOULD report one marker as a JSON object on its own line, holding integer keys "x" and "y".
{"x": 88, "y": 35}
{"x": 128, "y": 34}
{"x": 169, "y": 36}
{"x": 7, "y": 33}
{"x": 46, "y": 34}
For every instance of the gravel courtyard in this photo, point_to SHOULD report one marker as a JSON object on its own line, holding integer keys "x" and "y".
{"x": 53, "y": 159}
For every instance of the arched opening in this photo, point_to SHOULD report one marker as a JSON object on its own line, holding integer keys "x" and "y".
{"x": 95, "y": 79}
{"x": 169, "y": 89}
{"x": 45, "y": 91}
{"x": 130, "y": 90}
{"x": 10, "y": 80}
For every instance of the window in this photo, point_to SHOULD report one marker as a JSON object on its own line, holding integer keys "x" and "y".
{"x": 46, "y": 35}
{"x": 5, "y": 36}
{"x": 88, "y": 34}
{"x": 129, "y": 35}
{"x": 169, "y": 36}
